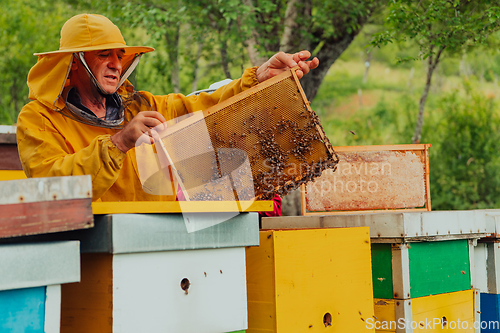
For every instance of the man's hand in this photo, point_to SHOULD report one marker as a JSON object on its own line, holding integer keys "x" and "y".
{"x": 142, "y": 123}
{"x": 282, "y": 61}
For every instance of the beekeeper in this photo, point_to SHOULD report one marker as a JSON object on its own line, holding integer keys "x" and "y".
{"x": 85, "y": 117}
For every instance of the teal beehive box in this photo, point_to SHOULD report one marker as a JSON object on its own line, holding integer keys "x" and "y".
{"x": 30, "y": 284}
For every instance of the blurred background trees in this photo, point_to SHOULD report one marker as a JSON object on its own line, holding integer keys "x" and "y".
{"x": 375, "y": 93}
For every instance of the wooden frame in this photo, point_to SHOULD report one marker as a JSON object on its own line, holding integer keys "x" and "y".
{"x": 408, "y": 147}
{"x": 267, "y": 177}
{"x": 132, "y": 207}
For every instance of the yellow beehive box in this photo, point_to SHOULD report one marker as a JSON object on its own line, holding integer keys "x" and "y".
{"x": 315, "y": 280}
{"x": 451, "y": 312}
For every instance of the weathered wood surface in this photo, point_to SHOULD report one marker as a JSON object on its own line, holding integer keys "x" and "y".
{"x": 10, "y": 157}
{"x": 131, "y": 233}
{"x": 487, "y": 267}
{"x": 87, "y": 306}
{"x": 7, "y": 134}
{"x": 39, "y": 264}
{"x": 397, "y": 226}
{"x": 8, "y": 149}
{"x": 45, "y": 205}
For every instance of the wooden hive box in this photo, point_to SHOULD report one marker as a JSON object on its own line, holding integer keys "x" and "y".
{"x": 30, "y": 284}
{"x": 315, "y": 280}
{"x": 451, "y": 312}
{"x": 371, "y": 179}
{"x": 146, "y": 273}
{"x": 487, "y": 266}
{"x": 410, "y": 270}
{"x": 438, "y": 246}
{"x": 487, "y": 270}
{"x": 10, "y": 164}
{"x": 45, "y": 205}
{"x": 490, "y": 313}
{"x": 398, "y": 227}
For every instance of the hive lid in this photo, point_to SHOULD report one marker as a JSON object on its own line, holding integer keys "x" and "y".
{"x": 39, "y": 264}
{"x": 397, "y": 227}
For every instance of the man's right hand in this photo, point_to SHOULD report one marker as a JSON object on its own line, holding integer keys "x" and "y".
{"x": 142, "y": 123}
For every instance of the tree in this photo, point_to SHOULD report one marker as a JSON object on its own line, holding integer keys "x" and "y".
{"x": 464, "y": 160}
{"x": 265, "y": 27}
{"x": 20, "y": 37}
{"x": 326, "y": 28}
{"x": 439, "y": 27}
{"x": 162, "y": 20}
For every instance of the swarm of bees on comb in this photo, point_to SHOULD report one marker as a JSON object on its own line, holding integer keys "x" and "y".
{"x": 273, "y": 127}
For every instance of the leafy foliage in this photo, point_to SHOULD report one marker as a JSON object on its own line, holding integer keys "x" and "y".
{"x": 464, "y": 159}
{"x": 20, "y": 36}
{"x": 437, "y": 26}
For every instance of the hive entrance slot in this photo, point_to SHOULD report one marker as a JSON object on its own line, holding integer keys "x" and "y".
{"x": 327, "y": 319}
{"x": 185, "y": 285}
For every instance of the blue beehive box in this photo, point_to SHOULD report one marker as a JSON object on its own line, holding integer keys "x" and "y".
{"x": 30, "y": 284}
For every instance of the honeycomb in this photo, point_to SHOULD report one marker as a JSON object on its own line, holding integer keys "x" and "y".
{"x": 264, "y": 141}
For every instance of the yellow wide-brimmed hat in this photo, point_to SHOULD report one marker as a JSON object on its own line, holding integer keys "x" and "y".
{"x": 81, "y": 33}
{"x": 90, "y": 32}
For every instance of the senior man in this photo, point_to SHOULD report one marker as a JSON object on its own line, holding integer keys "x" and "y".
{"x": 85, "y": 117}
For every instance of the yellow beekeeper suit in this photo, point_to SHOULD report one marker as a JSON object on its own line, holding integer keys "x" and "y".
{"x": 52, "y": 144}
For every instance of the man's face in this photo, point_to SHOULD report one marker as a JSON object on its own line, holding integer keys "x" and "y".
{"x": 106, "y": 65}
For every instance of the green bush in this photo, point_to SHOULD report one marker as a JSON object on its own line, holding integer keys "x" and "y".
{"x": 465, "y": 159}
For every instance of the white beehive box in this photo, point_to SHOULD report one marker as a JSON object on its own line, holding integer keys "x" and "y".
{"x": 145, "y": 273}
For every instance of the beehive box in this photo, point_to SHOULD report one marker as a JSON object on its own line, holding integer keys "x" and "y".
{"x": 455, "y": 312}
{"x": 487, "y": 256}
{"x": 411, "y": 249}
{"x": 371, "y": 179}
{"x": 30, "y": 284}
{"x": 398, "y": 227}
{"x": 310, "y": 281}
{"x": 145, "y": 273}
{"x": 490, "y": 313}
{"x": 45, "y": 205}
{"x": 493, "y": 222}
{"x": 487, "y": 266}
{"x": 410, "y": 270}
{"x": 10, "y": 164}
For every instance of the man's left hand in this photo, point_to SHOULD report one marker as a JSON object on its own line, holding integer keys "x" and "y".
{"x": 282, "y": 61}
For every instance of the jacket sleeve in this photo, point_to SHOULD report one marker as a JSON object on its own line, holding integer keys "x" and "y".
{"x": 44, "y": 152}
